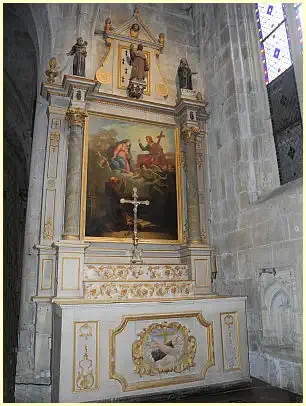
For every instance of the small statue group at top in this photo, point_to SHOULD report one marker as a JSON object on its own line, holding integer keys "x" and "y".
{"x": 138, "y": 59}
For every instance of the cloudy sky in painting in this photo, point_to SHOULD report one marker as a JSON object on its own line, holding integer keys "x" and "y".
{"x": 132, "y": 131}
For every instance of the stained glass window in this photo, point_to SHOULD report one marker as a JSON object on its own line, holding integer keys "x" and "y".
{"x": 281, "y": 86}
{"x": 299, "y": 20}
{"x": 272, "y": 31}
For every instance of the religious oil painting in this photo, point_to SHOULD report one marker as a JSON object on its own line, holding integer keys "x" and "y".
{"x": 122, "y": 154}
{"x": 162, "y": 348}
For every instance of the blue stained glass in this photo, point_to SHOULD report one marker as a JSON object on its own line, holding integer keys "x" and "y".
{"x": 270, "y": 17}
{"x": 270, "y": 9}
{"x": 277, "y": 52}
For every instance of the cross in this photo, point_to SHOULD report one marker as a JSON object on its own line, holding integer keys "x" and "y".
{"x": 136, "y": 257}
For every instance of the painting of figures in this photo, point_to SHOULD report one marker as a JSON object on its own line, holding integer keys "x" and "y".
{"x": 123, "y": 154}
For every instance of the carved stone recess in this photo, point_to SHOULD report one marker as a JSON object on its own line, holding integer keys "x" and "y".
{"x": 135, "y": 290}
{"x": 109, "y": 272}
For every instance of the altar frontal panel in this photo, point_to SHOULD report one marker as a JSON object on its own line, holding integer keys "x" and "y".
{"x": 120, "y": 154}
{"x": 165, "y": 349}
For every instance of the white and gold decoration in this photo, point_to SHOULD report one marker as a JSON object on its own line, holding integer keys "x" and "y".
{"x": 145, "y": 272}
{"x": 230, "y": 341}
{"x": 170, "y": 348}
{"x": 124, "y": 327}
{"x": 132, "y": 290}
{"x": 163, "y": 347}
{"x": 86, "y": 356}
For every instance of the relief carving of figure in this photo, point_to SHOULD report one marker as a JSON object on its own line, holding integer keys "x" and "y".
{"x": 184, "y": 74}
{"x": 134, "y": 31}
{"x": 139, "y": 63}
{"x": 80, "y": 53}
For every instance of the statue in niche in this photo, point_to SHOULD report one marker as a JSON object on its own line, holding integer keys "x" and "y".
{"x": 134, "y": 31}
{"x": 185, "y": 75}
{"x": 80, "y": 53}
{"x": 139, "y": 62}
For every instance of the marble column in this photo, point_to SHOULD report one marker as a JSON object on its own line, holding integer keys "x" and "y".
{"x": 193, "y": 209}
{"x": 76, "y": 118}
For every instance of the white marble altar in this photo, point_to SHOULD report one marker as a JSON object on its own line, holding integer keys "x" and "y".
{"x": 120, "y": 328}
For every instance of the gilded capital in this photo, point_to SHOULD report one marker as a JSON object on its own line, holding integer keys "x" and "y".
{"x": 76, "y": 116}
{"x": 189, "y": 135}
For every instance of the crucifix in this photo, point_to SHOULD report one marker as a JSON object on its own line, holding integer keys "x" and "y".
{"x": 136, "y": 251}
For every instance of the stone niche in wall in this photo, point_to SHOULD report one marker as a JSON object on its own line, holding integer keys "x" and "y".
{"x": 279, "y": 309}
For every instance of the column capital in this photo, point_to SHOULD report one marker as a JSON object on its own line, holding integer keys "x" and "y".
{"x": 190, "y": 134}
{"x": 76, "y": 116}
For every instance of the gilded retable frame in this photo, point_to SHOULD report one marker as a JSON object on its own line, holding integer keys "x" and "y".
{"x": 178, "y": 178}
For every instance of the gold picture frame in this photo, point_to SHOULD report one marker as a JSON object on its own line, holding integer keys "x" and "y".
{"x": 178, "y": 179}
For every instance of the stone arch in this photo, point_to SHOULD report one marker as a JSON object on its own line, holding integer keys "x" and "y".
{"x": 26, "y": 43}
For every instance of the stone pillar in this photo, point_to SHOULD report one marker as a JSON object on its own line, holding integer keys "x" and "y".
{"x": 193, "y": 209}
{"x": 76, "y": 118}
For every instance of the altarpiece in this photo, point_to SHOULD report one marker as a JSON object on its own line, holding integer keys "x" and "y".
{"x": 120, "y": 327}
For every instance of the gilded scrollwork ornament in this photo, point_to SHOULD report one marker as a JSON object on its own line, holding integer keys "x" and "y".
{"x": 190, "y": 134}
{"x": 76, "y": 116}
{"x": 163, "y": 348}
{"x": 55, "y": 139}
{"x": 85, "y": 379}
{"x": 52, "y": 72}
{"x": 48, "y": 229}
{"x": 122, "y": 291}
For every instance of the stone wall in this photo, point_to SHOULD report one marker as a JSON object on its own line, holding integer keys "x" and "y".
{"x": 254, "y": 223}
{"x": 54, "y": 29}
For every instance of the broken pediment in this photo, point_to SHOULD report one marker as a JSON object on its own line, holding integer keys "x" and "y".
{"x": 133, "y": 30}
{"x": 116, "y": 74}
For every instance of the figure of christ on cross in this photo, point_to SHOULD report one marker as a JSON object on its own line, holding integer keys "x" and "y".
{"x": 136, "y": 251}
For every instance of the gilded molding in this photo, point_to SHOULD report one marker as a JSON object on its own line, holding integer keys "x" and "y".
{"x": 85, "y": 379}
{"x": 85, "y": 356}
{"x": 113, "y": 374}
{"x": 153, "y": 357}
{"x": 56, "y": 123}
{"x": 190, "y": 134}
{"x": 54, "y": 139}
{"x": 110, "y": 272}
{"x": 132, "y": 290}
{"x": 162, "y": 87}
{"x": 178, "y": 182}
{"x": 48, "y": 229}
{"x": 76, "y": 116}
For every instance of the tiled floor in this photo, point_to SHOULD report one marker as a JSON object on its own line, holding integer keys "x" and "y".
{"x": 256, "y": 392}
